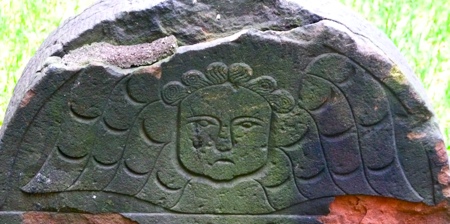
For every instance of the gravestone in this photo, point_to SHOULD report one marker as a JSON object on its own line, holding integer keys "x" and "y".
{"x": 216, "y": 112}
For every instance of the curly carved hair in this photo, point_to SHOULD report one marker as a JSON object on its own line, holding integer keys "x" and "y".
{"x": 238, "y": 74}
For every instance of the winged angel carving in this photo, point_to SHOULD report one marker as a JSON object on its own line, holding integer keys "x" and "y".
{"x": 224, "y": 140}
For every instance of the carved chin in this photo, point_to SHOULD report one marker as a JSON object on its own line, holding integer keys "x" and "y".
{"x": 222, "y": 170}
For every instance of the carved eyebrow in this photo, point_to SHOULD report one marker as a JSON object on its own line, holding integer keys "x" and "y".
{"x": 210, "y": 119}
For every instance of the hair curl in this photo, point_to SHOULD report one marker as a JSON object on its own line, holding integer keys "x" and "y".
{"x": 238, "y": 74}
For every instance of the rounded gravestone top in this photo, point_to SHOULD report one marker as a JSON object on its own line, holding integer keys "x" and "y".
{"x": 220, "y": 108}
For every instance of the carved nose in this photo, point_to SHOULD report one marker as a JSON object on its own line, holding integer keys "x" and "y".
{"x": 224, "y": 140}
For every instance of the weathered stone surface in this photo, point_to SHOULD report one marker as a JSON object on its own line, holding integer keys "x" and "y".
{"x": 370, "y": 209}
{"x": 268, "y": 108}
{"x": 57, "y": 218}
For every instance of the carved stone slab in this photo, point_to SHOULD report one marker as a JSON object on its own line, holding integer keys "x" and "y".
{"x": 244, "y": 111}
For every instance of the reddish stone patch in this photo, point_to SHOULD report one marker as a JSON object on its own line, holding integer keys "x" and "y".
{"x": 350, "y": 209}
{"x": 27, "y": 98}
{"x": 75, "y": 218}
{"x": 441, "y": 152}
{"x": 415, "y": 135}
{"x": 154, "y": 70}
{"x": 444, "y": 180}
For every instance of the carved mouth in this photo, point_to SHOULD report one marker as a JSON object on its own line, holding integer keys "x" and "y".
{"x": 224, "y": 161}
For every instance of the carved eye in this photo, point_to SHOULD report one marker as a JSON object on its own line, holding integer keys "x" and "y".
{"x": 203, "y": 123}
{"x": 247, "y": 123}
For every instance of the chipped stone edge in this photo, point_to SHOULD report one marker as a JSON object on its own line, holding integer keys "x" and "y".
{"x": 123, "y": 56}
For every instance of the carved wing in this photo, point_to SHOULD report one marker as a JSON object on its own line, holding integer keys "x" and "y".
{"x": 353, "y": 141}
{"x": 109, "y": 136}
{"x": 343, "y": 136}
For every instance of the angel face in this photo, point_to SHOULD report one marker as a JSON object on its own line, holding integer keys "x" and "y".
{"x": 224, "y": 132}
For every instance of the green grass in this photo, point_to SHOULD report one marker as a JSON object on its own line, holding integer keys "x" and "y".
{"x": 420, "y": 29}
{"x": 24, "y": 24}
